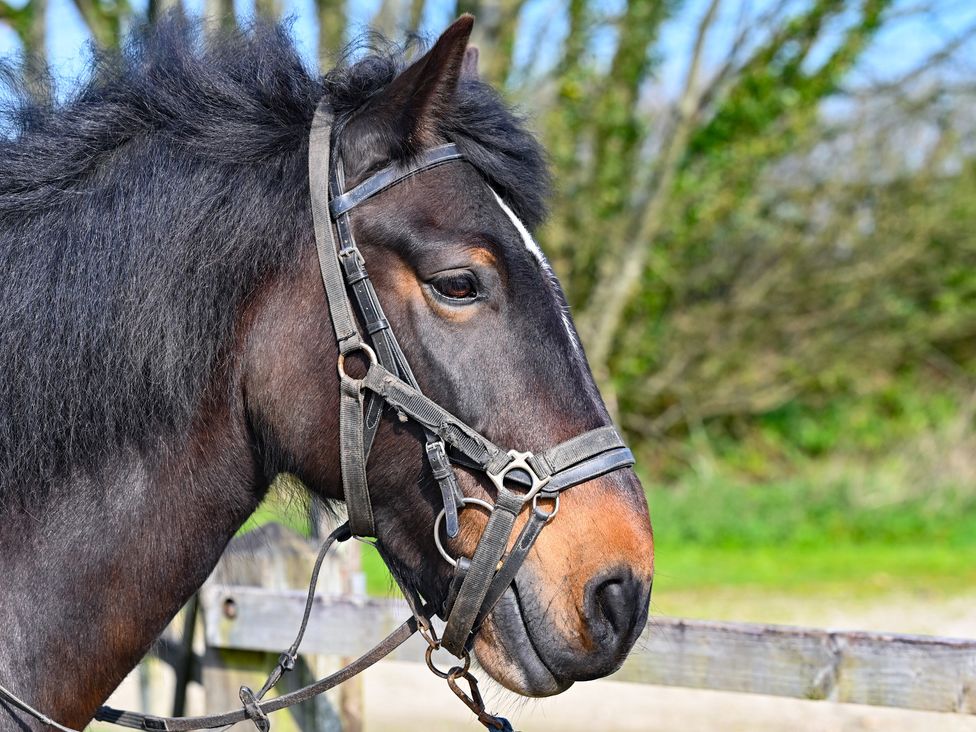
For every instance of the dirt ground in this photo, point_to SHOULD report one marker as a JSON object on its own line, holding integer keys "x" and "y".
{"x": 403, "y": 698}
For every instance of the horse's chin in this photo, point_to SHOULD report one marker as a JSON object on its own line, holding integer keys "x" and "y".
{"x": 506, "y": 651}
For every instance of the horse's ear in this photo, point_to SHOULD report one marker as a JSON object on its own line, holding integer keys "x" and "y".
{"x": 410, "y": 105}
{"x": 469, "y": 64}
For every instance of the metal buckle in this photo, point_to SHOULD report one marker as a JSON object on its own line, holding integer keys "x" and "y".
{"x": 520, "y": 461}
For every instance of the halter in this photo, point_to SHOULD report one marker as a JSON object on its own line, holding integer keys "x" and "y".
{"x": 479, "y": 581}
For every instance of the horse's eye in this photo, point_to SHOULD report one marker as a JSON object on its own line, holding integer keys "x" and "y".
{"x": 456, "y": 286}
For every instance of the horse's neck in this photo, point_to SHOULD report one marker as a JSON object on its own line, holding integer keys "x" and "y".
{"x": 89, "y": 583}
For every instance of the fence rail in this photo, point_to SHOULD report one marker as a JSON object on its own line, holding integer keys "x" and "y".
{"x": 881, "y": 669}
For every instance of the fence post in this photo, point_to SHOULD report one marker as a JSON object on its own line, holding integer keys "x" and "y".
{"x": 274, "y": 558}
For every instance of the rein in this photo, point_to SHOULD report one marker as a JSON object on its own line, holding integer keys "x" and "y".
{"x": 479, "y": 581}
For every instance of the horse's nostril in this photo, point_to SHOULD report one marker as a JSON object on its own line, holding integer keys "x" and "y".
{"x": 619, "y": 600}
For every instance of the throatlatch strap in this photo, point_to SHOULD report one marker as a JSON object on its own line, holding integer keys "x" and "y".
{"x": 352, "y": 449}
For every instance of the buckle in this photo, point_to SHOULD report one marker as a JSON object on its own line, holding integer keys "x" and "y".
{"x": 520, "y": 461}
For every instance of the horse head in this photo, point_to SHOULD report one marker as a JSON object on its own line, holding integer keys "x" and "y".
{"x": 486, "y": 331}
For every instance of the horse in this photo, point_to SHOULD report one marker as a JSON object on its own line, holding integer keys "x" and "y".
{"x": 167, "y": 352}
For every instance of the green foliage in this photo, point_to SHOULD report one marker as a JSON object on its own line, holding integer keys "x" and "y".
{"x": 779, "y": 300}
{"x": 798, "y": 513}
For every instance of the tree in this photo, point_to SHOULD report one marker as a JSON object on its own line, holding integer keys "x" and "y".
{"x": 761, "y": 228}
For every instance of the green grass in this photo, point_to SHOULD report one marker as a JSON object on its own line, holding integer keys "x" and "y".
{"x": 859, "y": 532}
{"x": 810, "y": 501}
{"x": 854, "y": 569}
{"x": 811, "y": 512}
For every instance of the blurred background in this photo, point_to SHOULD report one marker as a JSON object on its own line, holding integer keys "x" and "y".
{"x": 765, "y": 222}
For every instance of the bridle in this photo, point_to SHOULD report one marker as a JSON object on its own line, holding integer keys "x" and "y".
{"x": 479, "y": 581}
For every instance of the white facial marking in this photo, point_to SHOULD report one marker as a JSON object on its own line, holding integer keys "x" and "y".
{"x": 527, "y": 239}
{"x": 540, "y": 257}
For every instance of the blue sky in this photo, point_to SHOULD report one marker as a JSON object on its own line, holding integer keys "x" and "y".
{"x": 894, "y": 51}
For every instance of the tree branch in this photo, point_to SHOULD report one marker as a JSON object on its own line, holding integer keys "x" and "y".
{"x": 103, "y": 26}
{"x": 601, "y": 320}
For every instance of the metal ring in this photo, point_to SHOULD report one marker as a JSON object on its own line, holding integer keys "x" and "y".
{"x": 440, "y": 517}
{"x": 428, "y": 633}
{"x": 341, "y": 363}
{"x": 445, "y": 674}
{"x": 542, "y": 514}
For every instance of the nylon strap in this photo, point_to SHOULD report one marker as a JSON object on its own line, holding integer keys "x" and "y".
{"x": 319, "y": 146}
{"x": 352, "y": 458}
{"x": 579, "y": 448}
{"x": 352, "y": 449}
{"x": 430, "y": 415}
{"x": 517, "y": 555}
{"x": 491, "y": 546}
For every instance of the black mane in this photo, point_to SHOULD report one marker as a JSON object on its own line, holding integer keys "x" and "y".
{"x": 138, "y": 216}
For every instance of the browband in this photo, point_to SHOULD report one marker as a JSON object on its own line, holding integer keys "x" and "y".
{"x": 391, "y": 175}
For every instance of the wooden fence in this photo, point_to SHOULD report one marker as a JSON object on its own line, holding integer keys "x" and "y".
{"x": 252, "y": 606}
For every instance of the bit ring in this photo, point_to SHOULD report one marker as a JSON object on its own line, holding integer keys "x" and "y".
{"x": 440, "y": 519}
{"x": 466, "y": 658}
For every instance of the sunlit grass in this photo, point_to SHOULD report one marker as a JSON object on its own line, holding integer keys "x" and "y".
{"x": 858, "y": 569}
{"x": 804, "y": 536}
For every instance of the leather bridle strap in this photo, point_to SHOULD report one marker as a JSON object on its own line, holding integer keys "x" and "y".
{"x": 352, "y": 452}
{"x": 479, "y": 586}
{"x": 384, "y": 344}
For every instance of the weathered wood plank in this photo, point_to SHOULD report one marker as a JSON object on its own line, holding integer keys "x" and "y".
{"x": 263, "y": 620}
{"x": 913, "y": 672}
{"x": 268, "y": 559}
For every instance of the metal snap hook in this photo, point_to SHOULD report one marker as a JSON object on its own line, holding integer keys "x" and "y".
{"x": 440, "y": 519}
